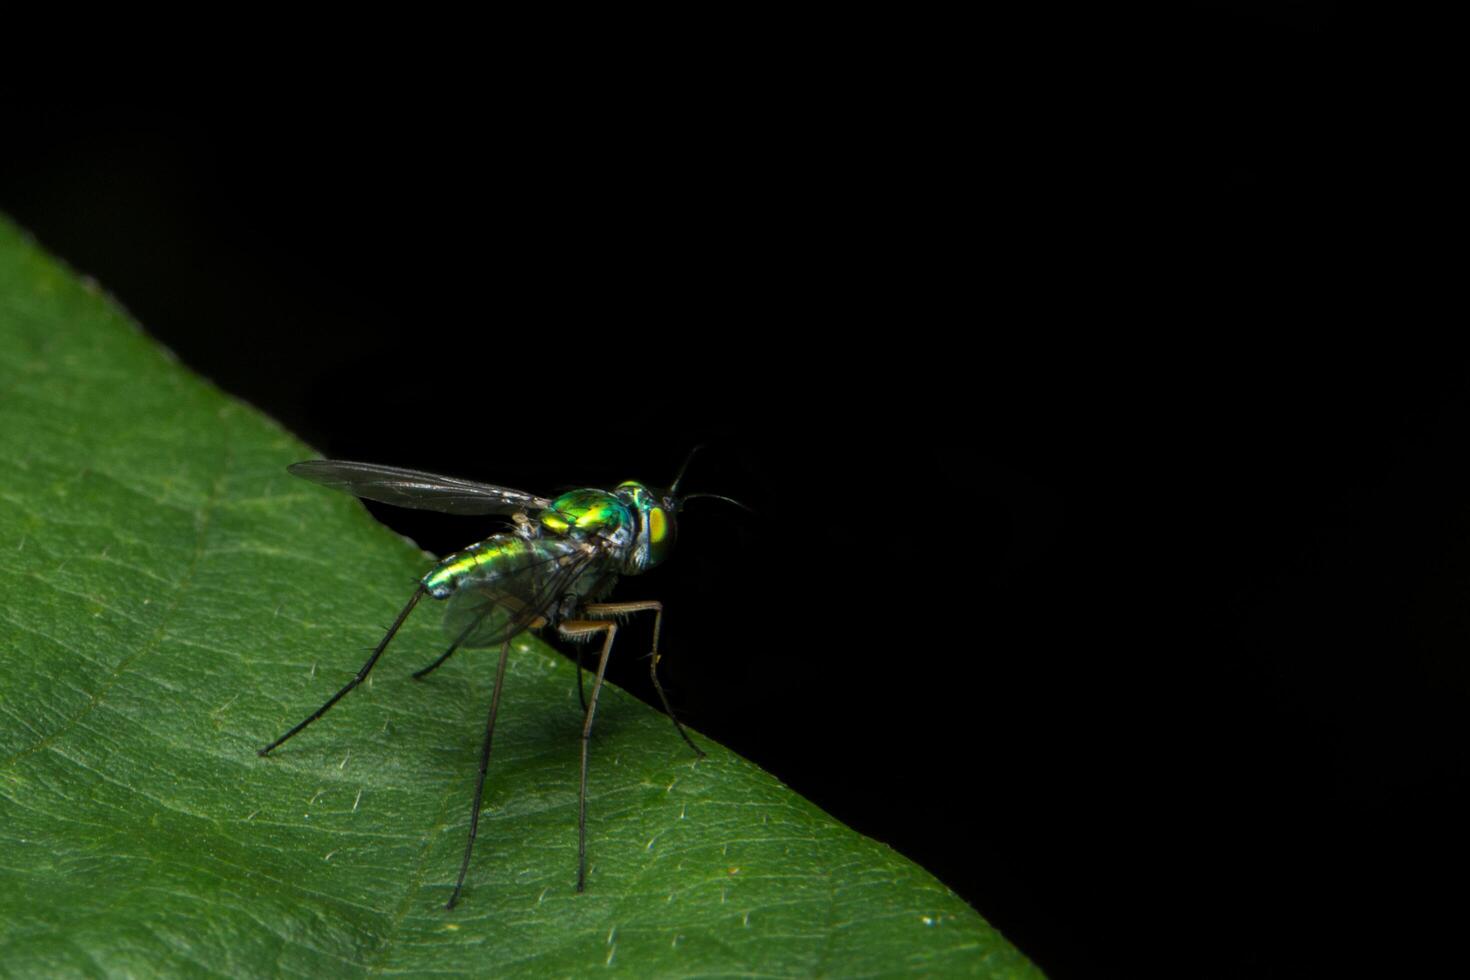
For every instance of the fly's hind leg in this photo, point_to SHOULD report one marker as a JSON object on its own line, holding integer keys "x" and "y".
{"x": 419, "y": 675}
{"x": 606, "y": 610}
{"x": 361, "y": 674}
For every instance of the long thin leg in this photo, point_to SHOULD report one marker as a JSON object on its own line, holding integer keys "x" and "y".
{"x": 581, "y": 694}
{"x": 419, "y": 675}
{"x": 573, "y": 630}
{"x": 480, "y": 781}
{"x": 597, "y": 610}
{"x": 361, "y": 674}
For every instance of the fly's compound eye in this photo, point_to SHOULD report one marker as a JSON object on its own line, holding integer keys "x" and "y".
{"x": 659, "y": 523}
{"x": 655, "y": 523}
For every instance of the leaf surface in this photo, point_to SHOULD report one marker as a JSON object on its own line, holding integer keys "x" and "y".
{"x": 171, "y": 600}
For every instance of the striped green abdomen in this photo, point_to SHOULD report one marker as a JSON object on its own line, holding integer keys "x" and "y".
{"x": 498, "y": 557}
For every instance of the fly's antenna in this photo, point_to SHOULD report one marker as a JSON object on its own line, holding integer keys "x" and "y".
{"x": 716, "y": 496}
{"x": 674, "y": 487}
{"x": 672, "y": 494}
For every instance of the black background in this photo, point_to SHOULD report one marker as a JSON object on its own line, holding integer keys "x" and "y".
{"x": 1105, "y": 561}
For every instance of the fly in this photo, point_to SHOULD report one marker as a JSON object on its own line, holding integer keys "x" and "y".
{"x": 551, "y": 570}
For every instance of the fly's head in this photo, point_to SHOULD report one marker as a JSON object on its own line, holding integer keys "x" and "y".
{"x": 653, "y": 512}
{"x": 654, "y": 526}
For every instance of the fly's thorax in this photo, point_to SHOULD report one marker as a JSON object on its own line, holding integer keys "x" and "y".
{"x": 653, "y": 536}
{"x": 499, "y": 554}
{"x": 587, "y": 511}
{"x": 591, "y": 514}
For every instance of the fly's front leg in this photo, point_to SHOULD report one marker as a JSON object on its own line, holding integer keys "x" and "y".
{"x": 602, "y": 610}
{"x": 580, "y": 630}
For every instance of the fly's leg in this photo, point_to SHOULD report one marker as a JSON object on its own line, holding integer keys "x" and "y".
{"x": 581, "y": 694}
{"x": 361, "y": 674}
{"x": 484, "y": 765}
{"x": 579, "y": 630}
{"x": 419, "y": 675}
{"x": 581, "y": 666}
{"x": 598, "y": 610}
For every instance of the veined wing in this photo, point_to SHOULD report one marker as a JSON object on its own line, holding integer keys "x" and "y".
{"x": 415, "y": 489}
{"x": 484, "y": 612}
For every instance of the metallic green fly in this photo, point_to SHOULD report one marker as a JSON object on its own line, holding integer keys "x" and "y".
{"x": 551, "y": 570}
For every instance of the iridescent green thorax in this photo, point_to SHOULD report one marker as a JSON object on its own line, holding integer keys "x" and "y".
{"x": 654, "y": 538}
{"x": 588, "y": 511}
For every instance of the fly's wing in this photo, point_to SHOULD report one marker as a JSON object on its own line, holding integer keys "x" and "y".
{"x": 488, "y": 612}
{"x": 416, "y": 490}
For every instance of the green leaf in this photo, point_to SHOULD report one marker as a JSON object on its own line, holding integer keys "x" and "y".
{"x": 170, "y": 600}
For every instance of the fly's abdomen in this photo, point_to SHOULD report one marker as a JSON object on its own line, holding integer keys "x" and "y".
{"x": 498, "y": 557}
{"x": 504, "y": 585}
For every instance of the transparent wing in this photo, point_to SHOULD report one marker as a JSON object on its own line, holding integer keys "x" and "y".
{"x": 486, "y": 613}
{"x": 414, "y": 489}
